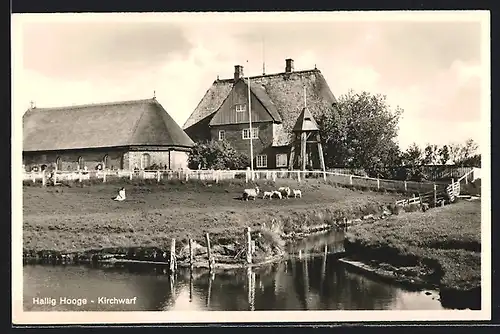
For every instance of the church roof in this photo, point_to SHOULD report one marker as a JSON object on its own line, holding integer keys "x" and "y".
{"x": 281, "y": 93}
{"x": 125, "y": 123}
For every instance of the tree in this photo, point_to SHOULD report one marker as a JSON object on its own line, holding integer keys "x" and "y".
{"x": 444, "y": 154}
{"x": 216, "y": 155}
{"x": 455, "y": 152}
{"x": 412, "y": 159}
{"x": 431, "y": 155}
{"x": 360, "y": 131}
{"x": 468, "y": 150}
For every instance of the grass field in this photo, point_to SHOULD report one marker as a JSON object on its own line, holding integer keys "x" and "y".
{"x": 80, "y": 218}
{"x": 447, "y": 239}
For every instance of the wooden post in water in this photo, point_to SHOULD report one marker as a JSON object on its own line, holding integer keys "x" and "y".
{"x": 211, "y": 262}
{"x": 191, "y": 253}
{"x": 248, "y": 245}
{"x": 191, "y": 284}
{"x": 435, "y": 195}
{"x": 251, "y": 288}
{"x": 209, "y": 292}
{"x": 172, "y": 257}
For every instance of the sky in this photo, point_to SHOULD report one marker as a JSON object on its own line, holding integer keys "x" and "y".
{"x": 435, "y": 67}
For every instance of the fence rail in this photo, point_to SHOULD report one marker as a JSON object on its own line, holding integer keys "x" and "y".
{"x": 218, "y": 175}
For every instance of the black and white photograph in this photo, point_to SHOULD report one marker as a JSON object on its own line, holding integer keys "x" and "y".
{"x": 234, "y": 167}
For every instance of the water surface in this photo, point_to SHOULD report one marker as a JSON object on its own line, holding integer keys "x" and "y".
{"x": 314, "y": 280}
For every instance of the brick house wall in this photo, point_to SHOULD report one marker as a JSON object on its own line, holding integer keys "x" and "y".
{"x": 170, "y": 159}
{"x": 122, "y": 158}
{"x": 261, "y": 146}
{"x": 69, "y": 159}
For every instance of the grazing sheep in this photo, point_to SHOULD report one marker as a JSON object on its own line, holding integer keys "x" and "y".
{"x": 277, "y": 194}
{"x": 267, "y": 194}
{"x": 250, "y": 193}
{"x": 297, "y": 193}
{"x": 285, "y": 191}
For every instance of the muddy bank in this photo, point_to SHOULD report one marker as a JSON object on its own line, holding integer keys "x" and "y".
{"x": 411, "y": 271}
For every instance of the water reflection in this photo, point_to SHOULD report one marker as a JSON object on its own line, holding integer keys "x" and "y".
{"x": 314, "y": 280}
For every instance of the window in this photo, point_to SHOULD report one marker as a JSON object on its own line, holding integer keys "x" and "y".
{"x": 59, "y": 163}
{"x": 105, "y": 162}
{"x": 240, "y": 107}
{"x": 281, "y": 160}
{"x": 240, "y": 112}
{"x": 261, "y": 161}
{"x": 81, "y": 163}
{"x": 145, "y": 161}
{"x": 246, "y": 133}
{"x": 222, "y": 135}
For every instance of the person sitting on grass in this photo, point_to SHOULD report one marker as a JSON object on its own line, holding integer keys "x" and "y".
{"x": 121, "y": 195}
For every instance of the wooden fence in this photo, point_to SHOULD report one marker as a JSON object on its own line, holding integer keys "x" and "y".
{"x": 438, "y": 172}
{"x": 218, "y": 175}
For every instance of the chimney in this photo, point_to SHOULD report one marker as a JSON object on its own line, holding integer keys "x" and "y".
{"x": 238, "y": 72}
{"x": 289, "y": 65}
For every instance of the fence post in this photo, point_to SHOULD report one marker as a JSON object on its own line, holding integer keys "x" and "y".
{"x": 435, "y": 195}
{"x": 274, "y": 176}
{"x": 33, "y": 176}
{"x": 209, "y": 253}
{"x": 80, "y": 177}
{"x": 158, "y": 176}
{"x": 406, "y": 186}
{"x": 378, "y": 183}
{"x": 130, "y": 176}
{"x": 104, "y": 176}
{"x": 191, "y": 252}
{"x": 246, "y": 175}
{"x": 217, "y": 175}
{"x": 298, "y": 175}
{"x": 172, "y": 256}
{"x": 44, "y": 178}
{"x": 55, "y": 177}
{"x": 350, "y": 180}
{"x": 187, "y": 176}
{"x": 248, "y": 245}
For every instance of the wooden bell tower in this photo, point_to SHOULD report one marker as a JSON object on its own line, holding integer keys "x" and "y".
{"x": 305, "y": 133}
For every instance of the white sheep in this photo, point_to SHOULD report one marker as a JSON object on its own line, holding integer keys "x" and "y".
{"x": 267, "y": 194}
{"x": 250, "y": 193}
{"x": 297, "y": 193}
{"x": 277, "y": 194}
{"x": 285, "y": 191}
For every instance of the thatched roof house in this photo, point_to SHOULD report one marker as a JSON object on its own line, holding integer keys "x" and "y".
{"x": 277, "y": 102}
{"x": 117, "y": 135}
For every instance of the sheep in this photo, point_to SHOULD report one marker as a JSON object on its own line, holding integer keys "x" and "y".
{"x": 277, "y": 194}
{"x": 297, "y": 193}
{"x": 250, "y": 193}
{"x": 285, "y": 191}
{"x": 268, "y": 194}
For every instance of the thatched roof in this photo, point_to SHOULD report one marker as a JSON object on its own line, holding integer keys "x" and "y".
{"x": 284, "y": 91}
{"x": 116, "y": 124}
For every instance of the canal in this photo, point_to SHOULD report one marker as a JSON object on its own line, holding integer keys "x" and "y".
{"x": 312, "y": 279}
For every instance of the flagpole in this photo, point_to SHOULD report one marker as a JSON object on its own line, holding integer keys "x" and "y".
{"x": 250, "y": 123}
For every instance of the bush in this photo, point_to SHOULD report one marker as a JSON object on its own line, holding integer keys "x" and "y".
{"x": 217, "y": 155}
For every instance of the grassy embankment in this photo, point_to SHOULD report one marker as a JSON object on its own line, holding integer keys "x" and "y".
{"x": 83, "y": 217}
{"x": 441, "y": 246}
